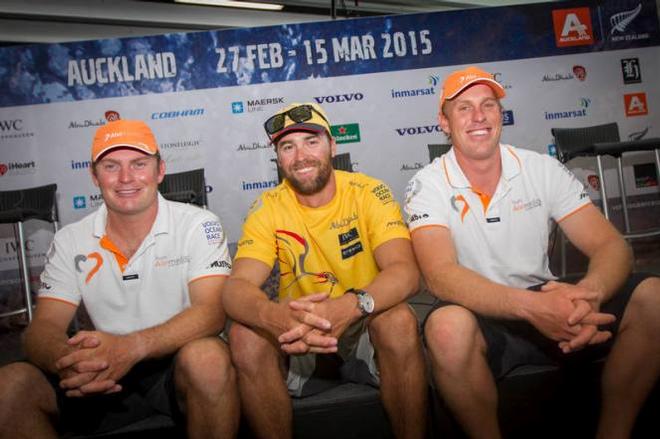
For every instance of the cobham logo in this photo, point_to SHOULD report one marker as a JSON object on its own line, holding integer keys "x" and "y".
{"x": 635, "y": 104}
{"x": 572, "y": 27}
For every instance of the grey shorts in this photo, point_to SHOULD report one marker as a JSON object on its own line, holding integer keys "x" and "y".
{"x": 354, "y": 362}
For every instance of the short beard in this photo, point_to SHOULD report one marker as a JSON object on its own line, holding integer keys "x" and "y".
{"x": 317, "y": 184}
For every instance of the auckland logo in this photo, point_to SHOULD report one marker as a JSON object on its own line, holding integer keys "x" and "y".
{"x": 572, "y": 27}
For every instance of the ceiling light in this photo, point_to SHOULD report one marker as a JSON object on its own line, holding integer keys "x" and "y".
{"x": 234, "y": 4}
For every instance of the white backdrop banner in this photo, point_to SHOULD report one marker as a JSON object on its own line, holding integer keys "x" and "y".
{"x": 207, "y": 94}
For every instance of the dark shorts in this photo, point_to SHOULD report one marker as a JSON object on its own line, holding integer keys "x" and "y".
{"x": 148, "y": 389}
{"x": 513, "y": 343}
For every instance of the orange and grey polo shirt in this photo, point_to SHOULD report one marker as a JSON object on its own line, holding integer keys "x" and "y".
{"x": 125, "y": 295}
{"x": 503, "y": 237}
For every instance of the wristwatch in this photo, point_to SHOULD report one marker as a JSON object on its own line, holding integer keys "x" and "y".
{"x": 365, "y": 301}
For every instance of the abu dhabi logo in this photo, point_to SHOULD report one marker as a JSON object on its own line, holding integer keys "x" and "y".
{"x": 577, "y": 72}
{"x": 581, "y": 111}
{"x": 572, "y": 27}
{"x": 108, "y": 116}
{"x": 621, "y": 20}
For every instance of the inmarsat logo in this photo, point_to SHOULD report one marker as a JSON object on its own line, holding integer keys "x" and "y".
{"x": 434, "y": 80}
{"x": 572, "y": 27}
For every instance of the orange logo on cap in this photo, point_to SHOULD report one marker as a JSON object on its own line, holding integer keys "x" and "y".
{"x": 636, "y": 104}
{"x": 572, "y": 27}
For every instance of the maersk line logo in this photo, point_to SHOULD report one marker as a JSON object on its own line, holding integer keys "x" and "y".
{"x": 347, "y": 133}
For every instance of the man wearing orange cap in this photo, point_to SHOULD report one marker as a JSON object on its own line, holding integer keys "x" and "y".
{"x": 346, "y": 268}
{"x": 479, "y": 219}
{"x": 150, "y": 273}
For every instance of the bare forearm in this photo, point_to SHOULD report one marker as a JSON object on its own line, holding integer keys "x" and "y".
{"x": 393, "y": 285}
{"x": 462, "y": 286}
{"x": 248, "y": 304}
{"x": 608, "y": 269}
{"x": 195, "y": 322}
{"x": 44, "y": 344}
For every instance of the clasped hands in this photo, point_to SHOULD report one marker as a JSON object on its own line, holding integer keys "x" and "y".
{"x": 570, "y": 314}
{"x": 95, "y": 362}
{"x": 314, "y": 323}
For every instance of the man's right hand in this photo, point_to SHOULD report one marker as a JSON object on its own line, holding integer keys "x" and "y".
{"x": 306, "y": 331}
{"x": 84, "y": 372}
{"x": 552, "y": 309}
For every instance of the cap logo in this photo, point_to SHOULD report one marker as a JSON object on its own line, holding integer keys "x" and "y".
{"x": 109, "y": 136}
{"x": 469, "y": 77}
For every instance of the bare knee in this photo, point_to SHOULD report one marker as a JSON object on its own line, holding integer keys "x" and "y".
{"x": 250, "y": 351}
{"x": 395, "y": 330}
{"x": 452, "y": 335}
{"x": 204, "y": 365}
{"x": 644, "y": 306}
{"x": 24, "y": 387}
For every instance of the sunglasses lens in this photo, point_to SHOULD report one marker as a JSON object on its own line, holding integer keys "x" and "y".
{"x": 301, "y": 113}
{"x": 274, "y": 124}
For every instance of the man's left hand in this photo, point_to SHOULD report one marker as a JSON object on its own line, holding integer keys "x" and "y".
{"x": 586, "y": 316}
{"x": 119, "y": 353}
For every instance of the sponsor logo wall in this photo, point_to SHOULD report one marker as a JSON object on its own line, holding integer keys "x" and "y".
{"x": 207, "y": 94}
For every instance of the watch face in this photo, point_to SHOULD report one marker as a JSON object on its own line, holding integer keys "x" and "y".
{"x": 366, "y": 302}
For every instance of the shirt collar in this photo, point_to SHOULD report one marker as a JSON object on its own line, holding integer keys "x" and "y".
{"x": 161, "y": 225}
{"x": 456, "y": 178}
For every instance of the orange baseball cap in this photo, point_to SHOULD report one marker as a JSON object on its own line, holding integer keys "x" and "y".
{"x": 459, "y": 80}
{"x": 122, "y": 133}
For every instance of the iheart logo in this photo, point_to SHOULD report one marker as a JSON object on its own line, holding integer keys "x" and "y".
{"x": 3, "y": 169}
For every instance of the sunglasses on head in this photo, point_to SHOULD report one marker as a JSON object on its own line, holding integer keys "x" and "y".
{"x": 299, "y": 114}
